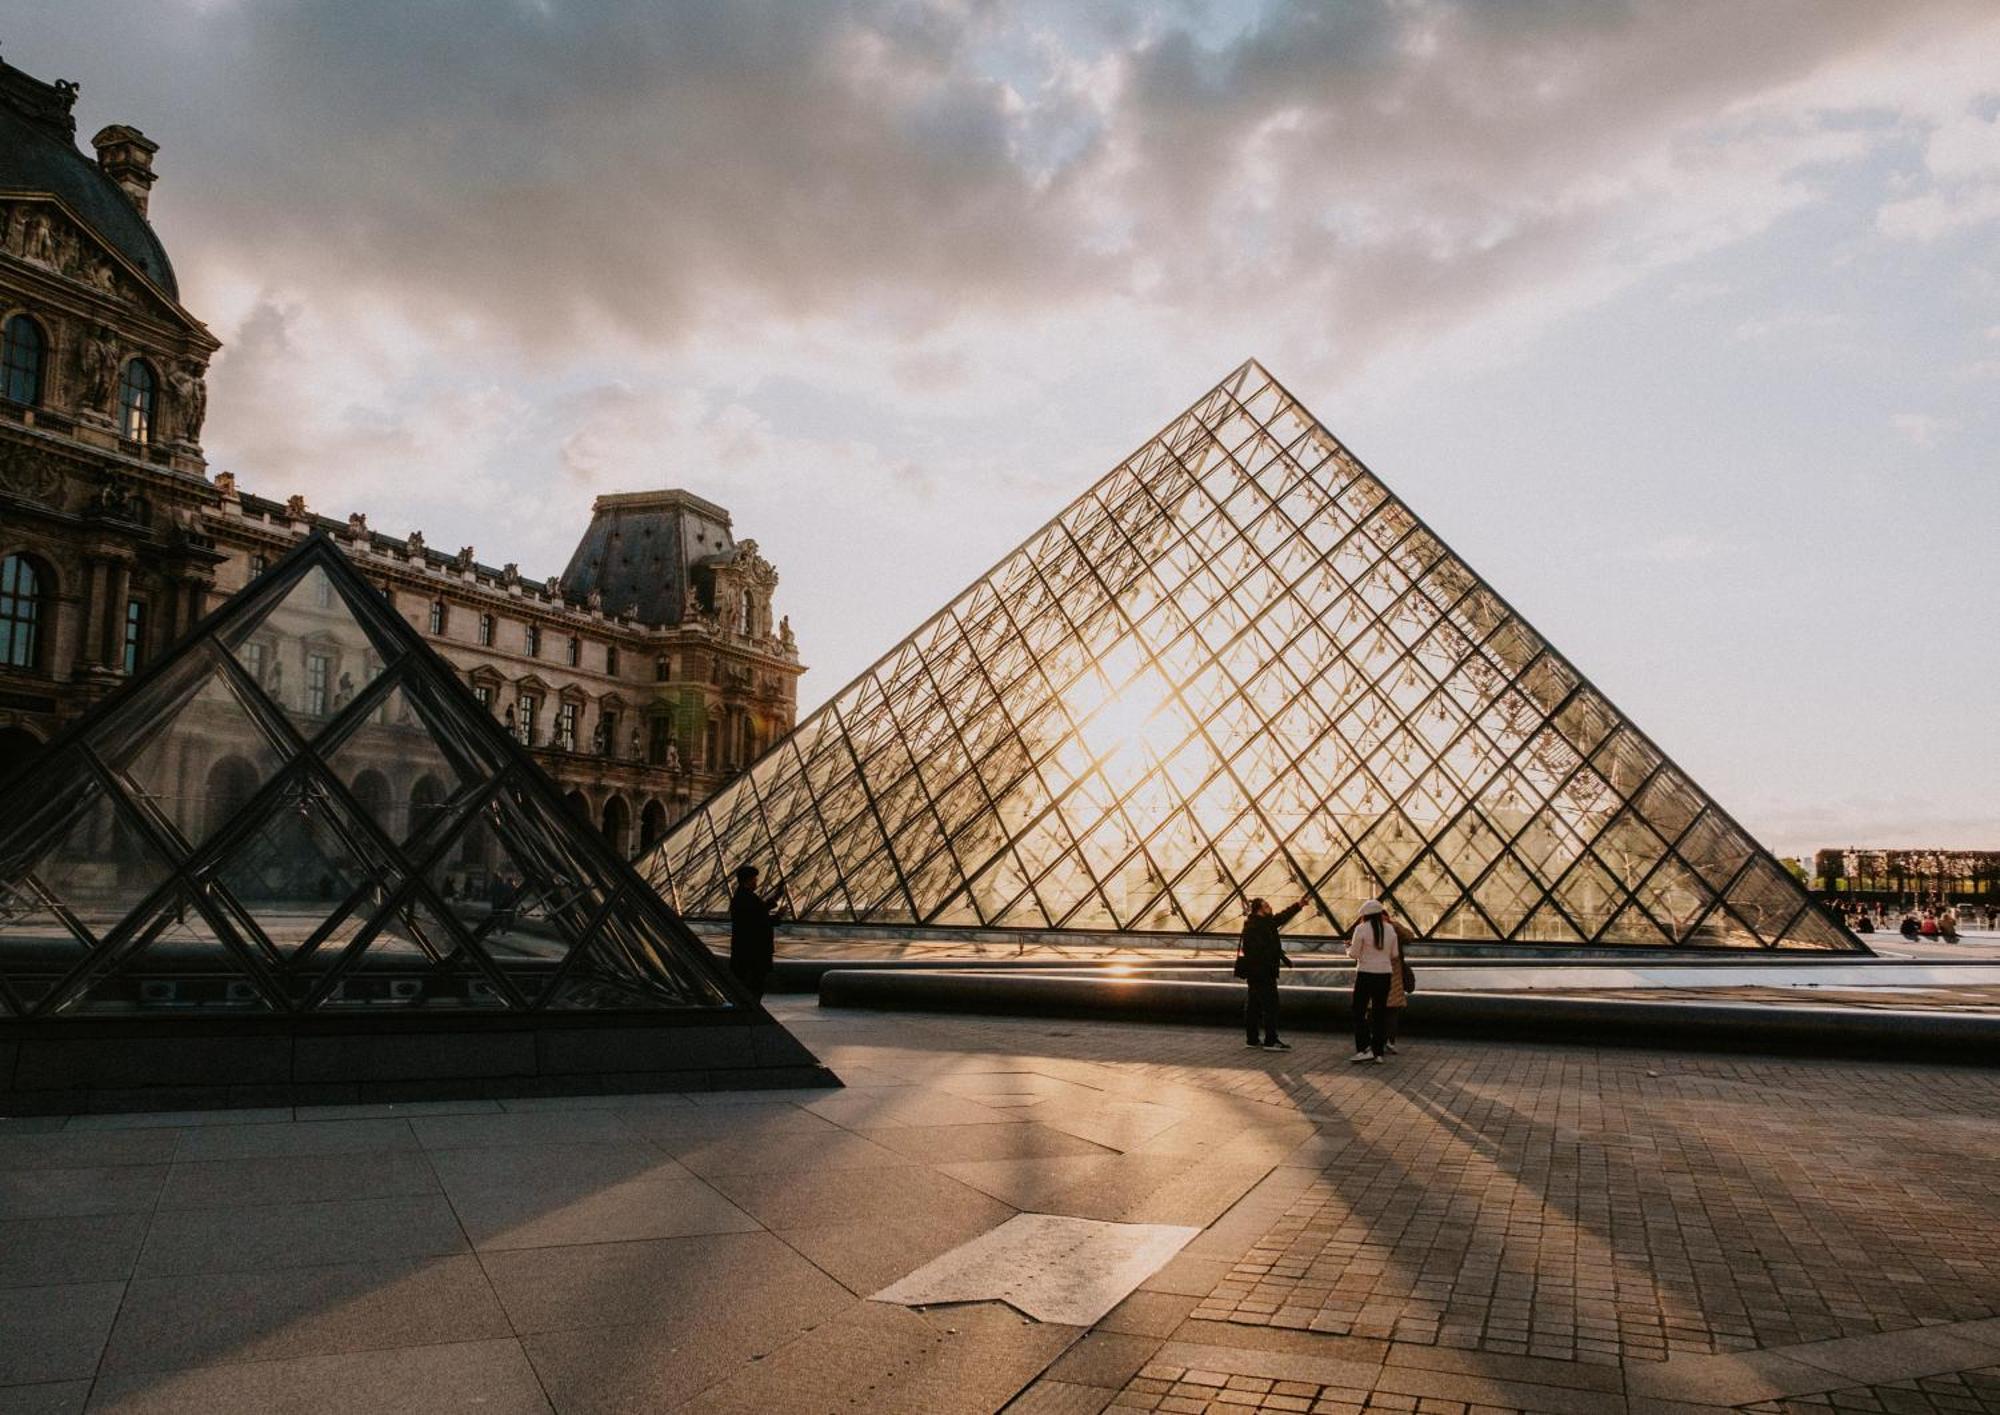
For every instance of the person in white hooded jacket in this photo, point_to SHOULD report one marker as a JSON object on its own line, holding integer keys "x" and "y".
{"x": 1377, "y": 950}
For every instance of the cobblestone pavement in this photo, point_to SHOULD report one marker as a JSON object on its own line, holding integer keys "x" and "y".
{"x": 1470, "y": 1228}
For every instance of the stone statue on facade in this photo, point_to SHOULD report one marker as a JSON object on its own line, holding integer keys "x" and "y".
{"x": 634, "y": 752}
{"x": 97, "y": 362}
{"x": 190, "y": 401}
{"x": 38, "y": 238}
{"x": 785, "y": 637}
{"x": 193, "y": 401}
{"x": 510, "y": 574}
{"x": 295, "y": 507}
{"x": 671, "y": 762}
{"x": 414, "y": 546}
{"x": 357, "y": 526}
{"x": 225, "y": 485}
{"x": 594, "y": 601}
{"x": 463, "y": 560}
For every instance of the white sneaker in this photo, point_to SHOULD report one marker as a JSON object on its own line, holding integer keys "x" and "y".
{"x": 1359, "y": 1057}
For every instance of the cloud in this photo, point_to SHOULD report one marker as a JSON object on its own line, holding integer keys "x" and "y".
{"x": 1922, "y": 429}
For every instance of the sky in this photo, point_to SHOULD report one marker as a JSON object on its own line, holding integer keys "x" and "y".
{"x": 1679, "y": 320}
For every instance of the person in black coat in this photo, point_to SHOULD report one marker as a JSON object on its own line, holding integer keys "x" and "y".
{"x": 752, "y": 931}
{"x": 1262, "y": 953}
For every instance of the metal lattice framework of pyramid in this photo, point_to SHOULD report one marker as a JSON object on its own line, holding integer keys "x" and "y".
{"x": 301, "y": 810}
{"x": 1238, "y": 666}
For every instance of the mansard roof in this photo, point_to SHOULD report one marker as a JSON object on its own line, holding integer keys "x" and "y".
{"x": 38, "y": 155}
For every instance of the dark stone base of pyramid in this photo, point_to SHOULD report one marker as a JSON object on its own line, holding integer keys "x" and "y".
{"x": 1959, "y": 1038}
{"x": 182, "y": 1063}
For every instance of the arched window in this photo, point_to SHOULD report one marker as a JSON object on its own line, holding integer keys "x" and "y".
{"x": 23, "y": 351}
{"x": 138, "y": 393}
{"x": 24, "y": 592}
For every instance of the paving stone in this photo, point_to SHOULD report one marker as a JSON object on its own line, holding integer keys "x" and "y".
{"x": 612, "y": 1213}
{"x": 52, "y": 1398}
{"x": 265, "y": 1237}
{"x": 492, "y": 1377}
{"x": 70, "y": 1249}
{"x": 112, "y": 1189}
{"x": 295, "y": 1179}
{"x": 210, "y": 1318}
{"x": 55, "y": 1333}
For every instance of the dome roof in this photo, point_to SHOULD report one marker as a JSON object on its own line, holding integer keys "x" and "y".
{"x": 38, "y": 154}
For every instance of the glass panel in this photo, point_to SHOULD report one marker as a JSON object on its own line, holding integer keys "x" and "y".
{"x": 634, "y": 961}
{"x": 305, "y": 864}
{"x": 309, "y": 654}
{"x": 180, "y": 962}
{"x": 199, "y": 762}
{"x": 398, "y": 774}
{"x": 416, "y": 959}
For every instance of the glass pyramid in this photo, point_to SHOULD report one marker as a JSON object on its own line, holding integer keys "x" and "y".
{"x": 302, "y": 810}
{"x": 1238, "y": 666}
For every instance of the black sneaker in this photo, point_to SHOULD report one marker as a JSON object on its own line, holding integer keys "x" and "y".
{"x": 1254, "y": 1045}
{"x": 1277, "y": 1046}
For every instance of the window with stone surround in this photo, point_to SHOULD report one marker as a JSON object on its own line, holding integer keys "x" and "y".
{"x": 138, "y": 396}
{"x": 23, "y": 352}
{"x": 24, "y": 597}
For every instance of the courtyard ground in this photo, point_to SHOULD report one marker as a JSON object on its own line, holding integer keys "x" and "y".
{"x": 1472, "y": 1227}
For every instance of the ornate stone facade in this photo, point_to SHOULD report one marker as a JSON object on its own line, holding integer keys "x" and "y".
{"x": 641, "y": 681}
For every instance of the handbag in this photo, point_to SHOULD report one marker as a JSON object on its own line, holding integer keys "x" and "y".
{"x": 1242, "y": 965}
{"x": 1409, "y": 977}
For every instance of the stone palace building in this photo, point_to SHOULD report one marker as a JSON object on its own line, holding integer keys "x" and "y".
{"x": 649, "y": 672}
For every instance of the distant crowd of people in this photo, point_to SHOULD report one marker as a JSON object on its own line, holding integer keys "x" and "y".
{"x": 1938, "y": 921}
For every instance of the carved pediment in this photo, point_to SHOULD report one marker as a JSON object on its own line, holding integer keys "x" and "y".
{"x": 42, "y": 231}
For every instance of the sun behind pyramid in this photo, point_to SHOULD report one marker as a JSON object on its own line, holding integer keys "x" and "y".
{"x": 1238, "y": 666}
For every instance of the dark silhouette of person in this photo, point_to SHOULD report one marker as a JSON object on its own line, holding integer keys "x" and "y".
{"x": 1263, "y": 955}
{"x": 752, "y": 931}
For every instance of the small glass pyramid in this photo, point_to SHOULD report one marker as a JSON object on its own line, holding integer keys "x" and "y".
{"x": 301, "y": 809}
{"x": 1238, "y": 666}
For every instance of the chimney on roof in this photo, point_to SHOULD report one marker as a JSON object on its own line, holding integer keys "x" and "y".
{"x": 126, "y": 157}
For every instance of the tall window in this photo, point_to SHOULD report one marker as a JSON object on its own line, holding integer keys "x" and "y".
{"x": 138, "y": 393}
{"x": 483, "y": 694}
{"x": 486, "y": 631}
{"x": 258, "y": 565}
{"x": 437, "y": 616}
{"x": 659, "y": 732}
{"x": 23, "y": 589}
{"x": 23, "y": 351}
{"x": 566, "y": 727}
{"x": 534, "y": 641}
{"x": 607, "y": 722}
{"x": 322, "y": 591}
{"x": 611, "y": 660}
{"x": 526, "y": 718}
{"x": 135, "y": 634}
{"x": 253, "y": 659}
{"x": 319, "y": 673}
{"x": 575, "y": 651}
{"x": 749, "y": 611}
{"x": 661, "y": 668}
